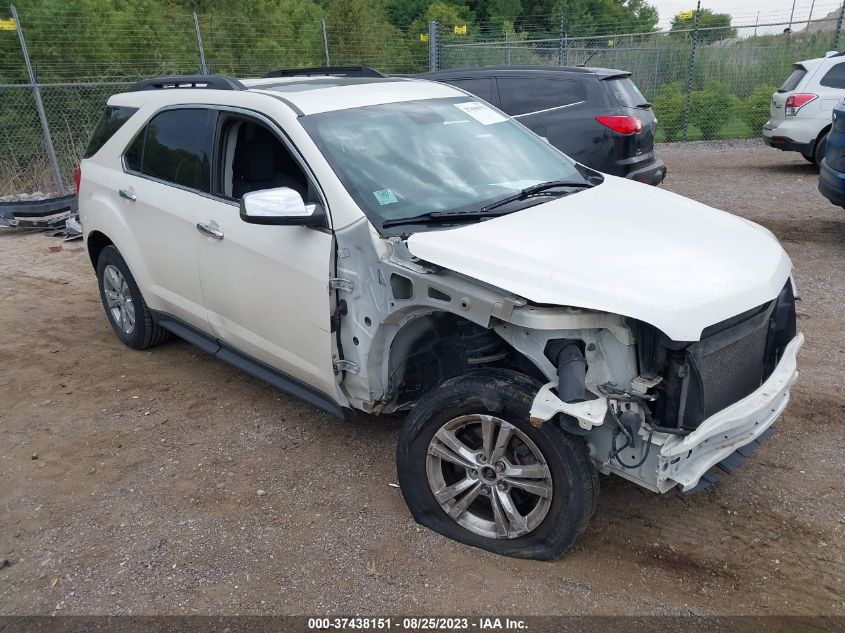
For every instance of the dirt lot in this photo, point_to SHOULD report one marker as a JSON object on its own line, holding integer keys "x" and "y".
{"x": 128, "y": 480}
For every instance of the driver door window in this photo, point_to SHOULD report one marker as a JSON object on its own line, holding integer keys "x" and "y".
{"x": 253, "y": 159}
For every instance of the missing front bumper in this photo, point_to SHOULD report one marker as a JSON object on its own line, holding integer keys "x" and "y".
{"x": 684, "y": 460}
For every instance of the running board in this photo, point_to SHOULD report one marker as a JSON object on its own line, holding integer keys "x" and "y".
{"x": 250, "y": 365}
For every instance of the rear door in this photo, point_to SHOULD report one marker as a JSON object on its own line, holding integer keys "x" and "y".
{"x": 832, "y": 87}
{"x": 554, "y": 108}
{"x": 166, "y": 179}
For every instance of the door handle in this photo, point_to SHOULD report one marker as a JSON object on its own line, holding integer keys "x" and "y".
{"x": 210, "y": 232}
{"x": 128, "y": 194}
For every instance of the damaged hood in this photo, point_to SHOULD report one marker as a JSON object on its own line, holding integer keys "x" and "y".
{"x": 624, "y": 248}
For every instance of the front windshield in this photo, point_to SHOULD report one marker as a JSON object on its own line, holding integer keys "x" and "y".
{"x": 402, "y": 160}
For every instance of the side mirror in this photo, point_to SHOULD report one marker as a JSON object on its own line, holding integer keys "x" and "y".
{"x": 281, "y": 206}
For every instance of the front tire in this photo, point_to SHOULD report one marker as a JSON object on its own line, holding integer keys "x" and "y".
{"x": 473, "y": 468}
{"x": 124, "y": 304}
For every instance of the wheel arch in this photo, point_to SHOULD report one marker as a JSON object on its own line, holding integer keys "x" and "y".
{"x": 436, "y": 346}
{"x": 825, "y": 130}
{"x": 95, "y": 243}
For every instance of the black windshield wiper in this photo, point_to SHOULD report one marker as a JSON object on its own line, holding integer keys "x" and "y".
{"x": 535, "y": 189}
{"x": 444, "y": 217}
{"x": 434, "y": 217}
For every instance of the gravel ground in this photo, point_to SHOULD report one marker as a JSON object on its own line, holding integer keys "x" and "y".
{"x": 129, "y": 480}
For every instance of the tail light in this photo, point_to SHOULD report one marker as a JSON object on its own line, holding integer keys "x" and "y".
{"x": 797, "y": 101}
{"x": 77, "y": 177}
{"x": 622, "y": 124}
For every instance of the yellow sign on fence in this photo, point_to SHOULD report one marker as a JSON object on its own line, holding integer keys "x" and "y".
{"x": 686, "y": 15}
{"x": 423, "y": 37}
{"x": 461, "y": 30}
{"x": 8, "y": 25}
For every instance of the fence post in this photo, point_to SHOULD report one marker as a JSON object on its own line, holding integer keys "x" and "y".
{"x": 838, "y": 27}
{"x": 433, "y": 48}
{"x": 203, "y": 66}
{"x": 325, "y": 40}
{"x": 691, "y": 70}
{"x": 508, "y": 46}
{"x": 562, "y": 45}
{"x": 42, "y": 116}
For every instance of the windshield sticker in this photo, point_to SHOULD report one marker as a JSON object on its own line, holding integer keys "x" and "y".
{"x": 385, "y": 196}
{"x": 481, "y": 113}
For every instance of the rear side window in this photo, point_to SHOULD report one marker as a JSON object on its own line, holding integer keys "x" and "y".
{"x": 625, "y": 92}
{"x": 793, "y": 80}
{"x": 110, "y": 122}
{"x": 521, "y": 95}
{"x": 176, "y": 146}
{"x": 481, "y": 87}
{"x": 835, "y": 77}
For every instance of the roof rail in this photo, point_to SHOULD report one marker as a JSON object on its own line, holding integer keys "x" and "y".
{"x": 339, "y": 71}
{"x": 212, "y": 82}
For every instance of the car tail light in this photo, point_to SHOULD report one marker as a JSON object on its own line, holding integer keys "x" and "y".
{"x": 797, "y": 101}
{"x": 622, "y": 124}
{"x": 77, "y": 177}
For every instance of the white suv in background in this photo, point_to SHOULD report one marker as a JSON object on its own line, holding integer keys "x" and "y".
{"x": 395, "y": 245}
{"x": 800, "y": 113}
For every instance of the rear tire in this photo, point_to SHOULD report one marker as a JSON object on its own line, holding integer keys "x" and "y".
{"x": 124, "y": 304}
{"x": 532, "y": 498}
{"x": 820, "y": 150}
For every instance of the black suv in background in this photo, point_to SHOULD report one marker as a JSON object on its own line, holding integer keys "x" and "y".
{"x": 597, "y": 116}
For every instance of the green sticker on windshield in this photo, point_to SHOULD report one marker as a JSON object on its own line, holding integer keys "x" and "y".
{"x": 385, "y": 196}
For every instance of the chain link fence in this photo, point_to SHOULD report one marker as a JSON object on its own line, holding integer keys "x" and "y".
{"x": 702, "y": 82}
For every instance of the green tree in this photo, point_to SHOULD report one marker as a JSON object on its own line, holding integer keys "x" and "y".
{"x": 668, "y": 107}
{"x": 715, "y": 26}
{"x": 447, "y": 15}
{"x": 754, "y": 109}
{"x": 361, "y": 33}
{"x": 402, "y": 12}
{"x": 711, "y": 109}
{"x": 602, "y": 17}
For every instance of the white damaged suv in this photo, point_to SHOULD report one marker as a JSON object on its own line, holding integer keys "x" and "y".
{"x": 395, "y": 245}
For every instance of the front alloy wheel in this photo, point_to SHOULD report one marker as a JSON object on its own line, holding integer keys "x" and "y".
{"x": 472, "y": 467}
{"x": 489, "y": 476}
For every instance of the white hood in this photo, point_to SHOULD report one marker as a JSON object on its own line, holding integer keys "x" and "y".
{"x": 625, "y": 248}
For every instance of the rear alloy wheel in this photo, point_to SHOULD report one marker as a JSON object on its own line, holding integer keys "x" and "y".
{"x": 472, "y": 467}
{"x": 119, "y": 301}
{"x": 125, "y": 307}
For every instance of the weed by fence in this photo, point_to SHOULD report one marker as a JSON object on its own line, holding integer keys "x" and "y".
{"x": 703, "y": 83}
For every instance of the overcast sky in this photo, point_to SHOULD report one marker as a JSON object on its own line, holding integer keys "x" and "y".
{"x": 745, "y": 12}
